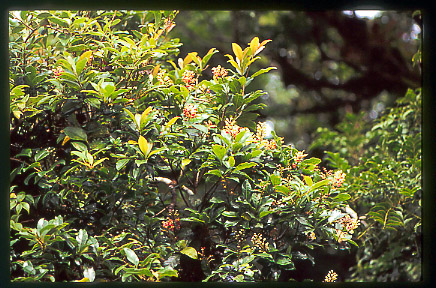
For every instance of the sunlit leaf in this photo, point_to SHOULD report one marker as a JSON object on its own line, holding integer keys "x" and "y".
{"x": 190, "y": 252}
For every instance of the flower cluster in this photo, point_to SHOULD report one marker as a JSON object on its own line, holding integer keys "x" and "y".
{"x": 338, "y": 178}
{"x": 239, "y": 236}
{"x": 341, "y": 236}
{"x": 261, "y": 132}
{"x": 57, "y": 72}
{"x": 259, "y": 242}
{"x": 170, "y": 224}
{"x": 209, "y": 125}
{"x": 189, "y": 79}
{"x": 311, "y": 235}
{"x": 204, "y": 89}
{"x": 164, "y": 79}
{"x": 349, "y": 223}
{"x": 190, "y": 111}
{"x": 298, "y": 158}
{"x": 232, "y": 128}
{"x": 202, "y": 255}
{"x": 219, "y": 72}
{"x": 331, "y": 276}
{"x": 326, "y": 174}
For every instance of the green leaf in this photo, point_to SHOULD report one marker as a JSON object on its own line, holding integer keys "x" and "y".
{"x": 219, "y": 151}
{"x": 320, "y": 184}
{"x": 171, "y": 122}
{"x": 59, "y": 21}
{"x": 168, "y": 272}
{"x": 80, "y": 146}
{"x": 132, "y": 117}
{"x": 82, "y": 238}
{"x": 108, "y": 88}
{"x": 242, "y": 136}
{"x": 231, "y": 161}
{"x": 76, "y": 133}
{"x": 190, "y": 252}
{"x": 80, "y": 65}
{"x": 199, "y": 127}
{"x": 246, "y": 190}
{"x": 239, "y": 278}
{"x": 245, "y": 165}
{"x": 264, "y": 213}
{"x": 185, "y": 162}
{"x": 41, "y": 155}
{"x": 131, "y": 256}
{"x": 120, "y": 164}
{"x": 283, "y": 189}
{"x": 145, "y": 117}
{"x": 284, "y": 261}
{"x": 275, "y": 180}
{"x": 262, "y": 71}
{"x": 342, "y": 197}
{"x": 231, "y": 214}
{"x": 308, "y": 180}
{"x": 93, "y": 102}
{"x": 144, "y": 146}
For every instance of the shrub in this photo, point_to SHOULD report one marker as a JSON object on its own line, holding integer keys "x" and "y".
{"x": 135, "y": 165}
{"x": 385, "y": 187}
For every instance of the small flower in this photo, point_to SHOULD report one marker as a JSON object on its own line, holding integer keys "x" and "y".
{"x": 311, "y": 235}
{"x": 204, "y": 89}
{"x": 190, "y": 111}
{"x": 58, "y": 71}
{"x": 219, "y": 72}
{"x": 260, "y": 242}
{"x": 261, "y": 130}
{"x": 209, "y": 124}
{"x": 341, "y": 236}
{"x": 164, "y": 79}
{"x": 338, "y": 178}
{"x": 189, "y": 79}
{"x": 349, "y": 223}
{"x": 232, "y": 128}
{"x": 169, "y": 224}
{"x": 269, "y": 144}
{"x": 298, "y": 158}
{"x": 331, "y": 276}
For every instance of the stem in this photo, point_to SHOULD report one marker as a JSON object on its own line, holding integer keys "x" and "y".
{"x": 209, "y": 194}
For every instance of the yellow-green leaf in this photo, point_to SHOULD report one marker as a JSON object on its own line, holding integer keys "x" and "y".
{"x": 308, "y": 180}
{"x": 171, "y": 122}
{"x": 237, "y": 50}
{"x": 143, "y": 145}
{"x": 86, "y": 55}
{"x": 156, "y": 70}
{"x": 231, "y": 161}
{"x": 190, "y": 252}
{"x": 143, "y": 119}
{"x": 185, "y": 162}
{"x": 188, "y": 59}
{"x": 84, "y": 279}
{"x": 233, "y": 63}
{"x": 253, "y": 45}
{"x": 195, "y": 58}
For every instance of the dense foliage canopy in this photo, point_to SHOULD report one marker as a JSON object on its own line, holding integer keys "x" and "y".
{"x": 132, "y": 161}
